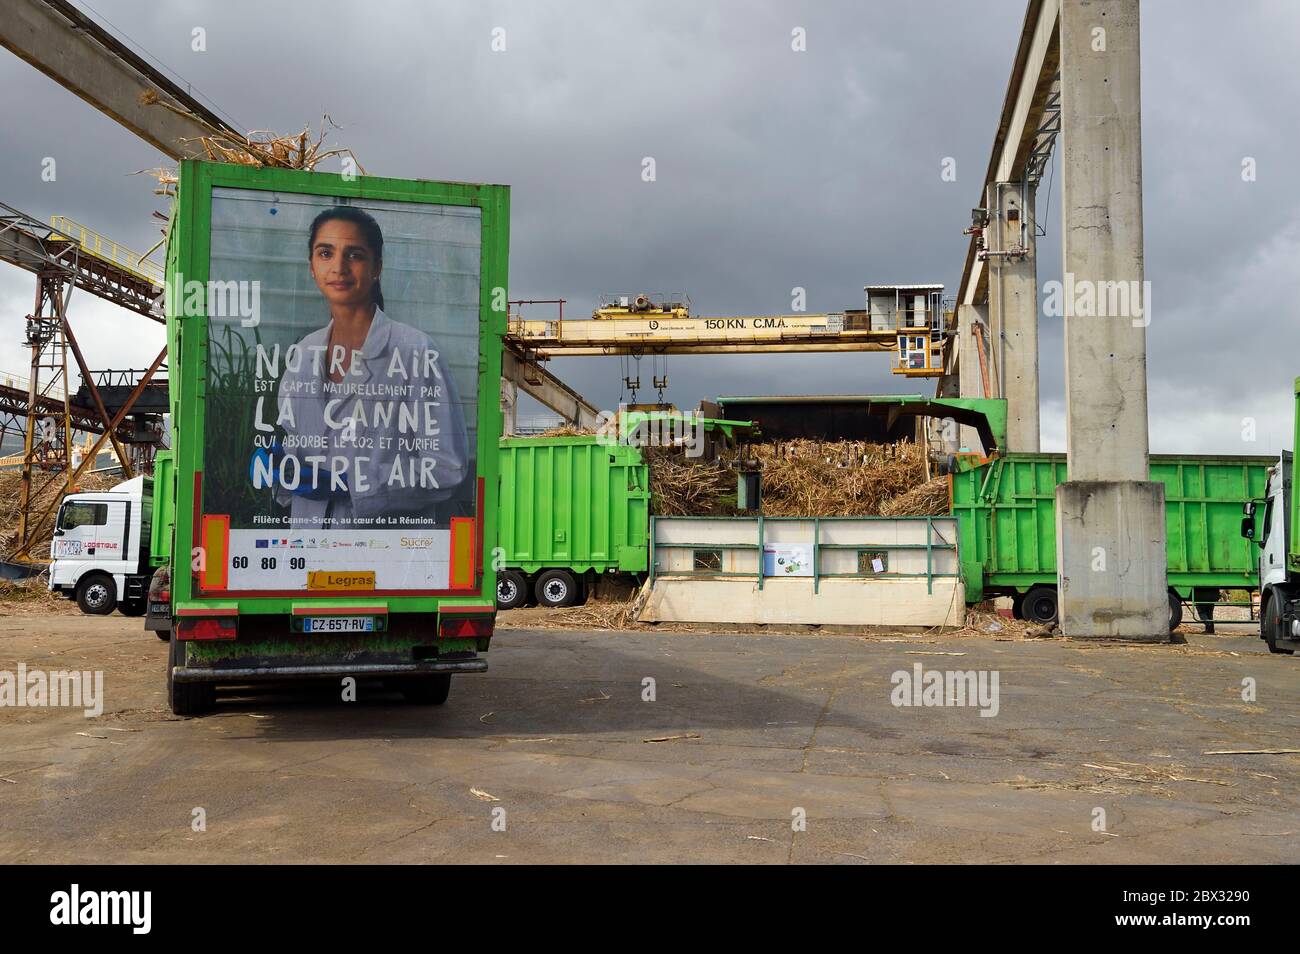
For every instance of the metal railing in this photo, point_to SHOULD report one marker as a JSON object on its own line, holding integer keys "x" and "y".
{"x": 931, "y": 546}
{"x": 21, "y": 383}
{"x": 102, "y": 247}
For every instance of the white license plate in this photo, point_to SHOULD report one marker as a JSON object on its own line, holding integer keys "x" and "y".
{"x": 338, "y": 624}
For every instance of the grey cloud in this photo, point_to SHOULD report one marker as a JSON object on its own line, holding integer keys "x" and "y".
{"x": 775, "y": 168}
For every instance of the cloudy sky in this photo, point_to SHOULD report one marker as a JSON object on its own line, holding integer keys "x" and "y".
{"x": 775, "y": 168}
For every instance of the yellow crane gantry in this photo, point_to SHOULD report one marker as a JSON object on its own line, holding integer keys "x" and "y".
{"x": 907, "y": 321}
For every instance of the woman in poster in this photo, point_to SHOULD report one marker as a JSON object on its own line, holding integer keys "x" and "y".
{"x": 367, "y": 404}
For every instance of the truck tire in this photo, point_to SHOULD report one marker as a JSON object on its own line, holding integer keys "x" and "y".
{"x": 556, "y": 588}
{"x": 187, "y": 698}
{"x": 1175, "y": 610}
{"x": 512, "y": 590}
{"x": 1270, "y": 625}
{"x": 96, "y": 594}
{"x": 1040, "y": 605}
{"x": 429, "y": 690}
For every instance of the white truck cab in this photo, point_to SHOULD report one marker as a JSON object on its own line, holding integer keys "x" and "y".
{"x": 1279, "y": 586}
{"x": 1273, "y": 538}
{"x": 100, "y": 551}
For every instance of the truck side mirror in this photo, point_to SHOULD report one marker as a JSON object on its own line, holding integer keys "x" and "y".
{"x": 1248, "y": 508}
{"x": 1248, "y": 526}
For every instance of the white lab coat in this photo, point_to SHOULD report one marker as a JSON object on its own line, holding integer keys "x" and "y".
{"x": 374, "y": 486}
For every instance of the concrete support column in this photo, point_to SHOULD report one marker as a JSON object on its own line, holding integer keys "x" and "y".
{"x": 509, "y": 405}
{"x": 1013, "y": 308}
{"x": 1110, "y": 520}
{"x": 970, "y": 374}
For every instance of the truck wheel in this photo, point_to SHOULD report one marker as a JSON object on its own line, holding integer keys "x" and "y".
{"x": 1018, "y": 606}
{"x": 427, "y": 690}
{"x": 187, "y": 698}
{"x": 1039, "y": 605}
{"x": 1175, "y": 610}
{"x": 96, "y": 594}
{"x": 512, "y": 590}
{"x": 556, "y": 588}
{"x": 1271, "y": 626}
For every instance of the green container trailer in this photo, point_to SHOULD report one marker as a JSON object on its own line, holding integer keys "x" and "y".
{"x": 1006, "y": 524}
{"x": 333, "y": 434}
{"x": 571, "y": 509}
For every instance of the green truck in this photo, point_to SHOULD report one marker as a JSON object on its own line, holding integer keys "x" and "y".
{"x": 576, "y": 508}
{"x": 572, "y": 509}
{"x": 334, "y": 356}
{"x": 1006, "y": 525}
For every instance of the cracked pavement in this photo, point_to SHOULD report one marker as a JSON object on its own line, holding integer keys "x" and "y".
{"x": 745, "y": 731}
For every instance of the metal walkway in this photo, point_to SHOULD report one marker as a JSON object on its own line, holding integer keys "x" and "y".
{"x": 42, "y": 249}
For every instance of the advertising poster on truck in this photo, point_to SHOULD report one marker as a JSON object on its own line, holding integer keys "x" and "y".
{"x": 341, "y": 395}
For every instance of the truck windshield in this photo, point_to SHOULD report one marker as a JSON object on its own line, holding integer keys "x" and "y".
{"x": 75, "y": 515}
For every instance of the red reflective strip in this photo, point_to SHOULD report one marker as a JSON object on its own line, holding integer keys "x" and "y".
{"x": 451, "y": 627}
{"x": 209, "y": 628}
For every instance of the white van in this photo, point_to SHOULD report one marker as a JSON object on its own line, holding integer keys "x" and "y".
{"x": 100, "y": 551}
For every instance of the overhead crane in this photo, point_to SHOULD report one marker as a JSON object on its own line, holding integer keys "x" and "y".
{"x": 908, "y": 321}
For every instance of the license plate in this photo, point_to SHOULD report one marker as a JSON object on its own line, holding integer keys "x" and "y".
{"x": 338, "y": 624}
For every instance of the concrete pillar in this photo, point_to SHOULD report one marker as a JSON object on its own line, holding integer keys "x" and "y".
{"x": 1013, "y": 309}
{"x": 1110, "y": 520}
{"x": 509, "y": 406}
{"x": 970, "y": 377}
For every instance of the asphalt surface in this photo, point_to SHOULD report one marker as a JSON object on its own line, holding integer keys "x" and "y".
{"x": 757, "y": 748}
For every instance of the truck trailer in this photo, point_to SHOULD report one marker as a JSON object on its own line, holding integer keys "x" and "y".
{"x": 334, "y": 354}
{"x": 573, "y": 509}
{"x": 576, "y": 508}
{"x": 1006, "y": 523}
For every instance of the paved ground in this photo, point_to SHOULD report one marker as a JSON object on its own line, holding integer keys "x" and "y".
{"x": 750, "y": 728}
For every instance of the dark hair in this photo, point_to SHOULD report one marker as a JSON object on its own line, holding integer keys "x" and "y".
{"x": 369, "y": 230}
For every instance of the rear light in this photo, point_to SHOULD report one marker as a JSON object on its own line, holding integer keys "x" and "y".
{"x": 208, "y": 627}
{"x": 164, "y": 596}
{"x": 465, "y": 627}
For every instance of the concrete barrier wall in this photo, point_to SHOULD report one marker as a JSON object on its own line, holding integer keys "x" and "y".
{"x": 838, "y": 602}
{"x": 837, "y": 583}
{"x": 898, "y": 536}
